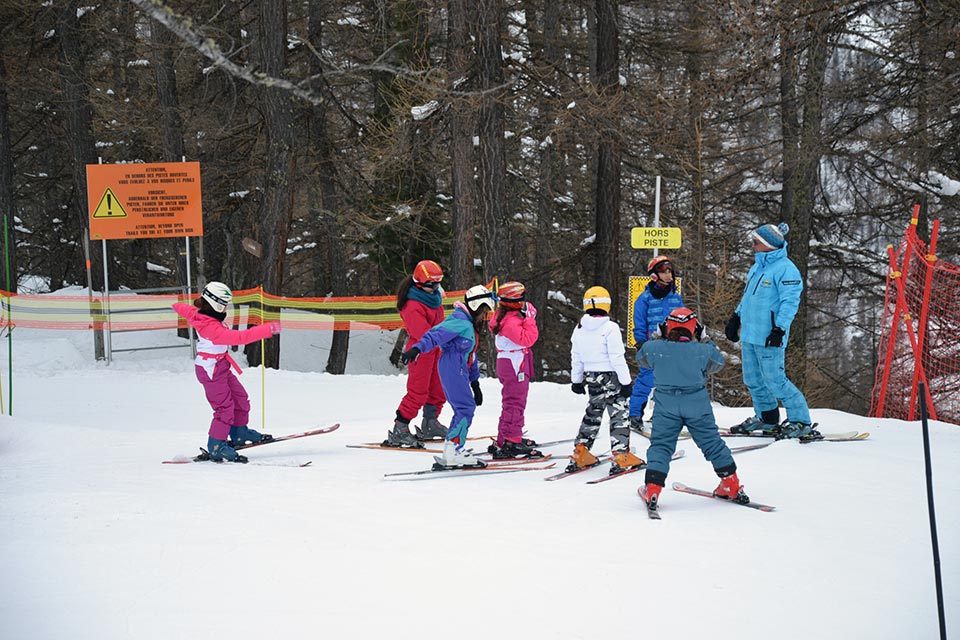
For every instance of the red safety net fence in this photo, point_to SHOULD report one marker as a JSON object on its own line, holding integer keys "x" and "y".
{"x": 920, "y": 341}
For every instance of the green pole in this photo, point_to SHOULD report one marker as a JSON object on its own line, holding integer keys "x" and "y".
{"x": 6, "y": 268}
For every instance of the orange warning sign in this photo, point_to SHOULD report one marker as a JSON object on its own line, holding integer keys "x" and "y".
{"x": 131, "y": 201}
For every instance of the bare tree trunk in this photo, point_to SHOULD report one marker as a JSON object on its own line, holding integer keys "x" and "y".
{"x": 463, "y": 211}
{"x": 171, "y": 125}
{"x": 340, "y": 344}
{"x": 492, "y": 169}
{"x": 8, "y": 203}
{"x": 547, "y": 61}
{"x": 803, "y": 151}
{"x": 607, "y": 198}
{"x": 329, "y": 214}
{"x": 163, "y": 43}
{"x": 276, "y": 209}
{"x": 79, "y": 121}
{"x": 695, "y": 116}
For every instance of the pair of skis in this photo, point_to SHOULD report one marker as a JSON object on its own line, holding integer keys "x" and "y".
{"x": 653, "y": 509}
{"x": 600, "y": 460}
{"x": 382, "y": 447}
{"x": 293, "y": 436}
{"x": 492, "y": 467}
{"x": 846, "y": 436}
{"x": 603, "y": 458}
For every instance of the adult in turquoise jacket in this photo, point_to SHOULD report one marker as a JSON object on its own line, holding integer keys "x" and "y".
{"x": 762, "y": 322}
{"x": 652, "y": 307}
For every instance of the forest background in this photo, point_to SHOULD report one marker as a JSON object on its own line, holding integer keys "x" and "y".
{"x": 518, "y": 138}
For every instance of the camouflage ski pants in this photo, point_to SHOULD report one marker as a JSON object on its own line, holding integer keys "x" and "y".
{"x": 603, "y": 391}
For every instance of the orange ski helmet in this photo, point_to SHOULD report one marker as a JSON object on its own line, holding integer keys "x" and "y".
{"x": 512, "y": 295}
{"x": 427, "y": 271}
{"x": 658, "y": 263}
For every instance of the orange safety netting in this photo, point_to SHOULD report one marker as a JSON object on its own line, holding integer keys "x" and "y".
{"x": 128, "y": 312}
{"x": 919, "y": 339}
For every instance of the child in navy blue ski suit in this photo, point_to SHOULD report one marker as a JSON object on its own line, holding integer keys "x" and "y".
{"x": 680, "y": 366}
{"x": 652, "y": 307}
{"x": 457, "y": 337}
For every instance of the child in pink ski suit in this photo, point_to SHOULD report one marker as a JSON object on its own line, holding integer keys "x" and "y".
{"x": 227, "y": 397}
{"x": 515, "y": 327}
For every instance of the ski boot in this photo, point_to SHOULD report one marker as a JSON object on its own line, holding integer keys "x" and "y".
{"x": 769, "y": 424}
{"x": 400, "y": 435}
{"x": 813, "y": 436}
{"x": 796, "y": 430}
{"x": 219, "y": 450}
{"x": 241, "y": 436}
{"x": 514, "y": 450}
{"x": 652, "y": 495}
{"x": 624, "y": 461}
{"x": 430, "y": 428}
{"x": 731, "y": 489}
{"x": 581, "y": 458}
{"x": 456, "y": 457}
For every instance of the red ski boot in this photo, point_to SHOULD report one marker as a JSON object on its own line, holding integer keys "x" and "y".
{"x": 731, "y": 489}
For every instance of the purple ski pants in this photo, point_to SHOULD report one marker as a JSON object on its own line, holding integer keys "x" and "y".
{"x": 227, "y": 398}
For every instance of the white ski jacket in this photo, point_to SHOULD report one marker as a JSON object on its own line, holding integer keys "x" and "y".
{"x": 597, "y": 346}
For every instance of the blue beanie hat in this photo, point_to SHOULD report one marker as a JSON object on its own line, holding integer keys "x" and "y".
{"x": 771, "y": 235}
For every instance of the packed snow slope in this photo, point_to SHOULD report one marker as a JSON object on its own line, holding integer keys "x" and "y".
{"x": 100, "y": 541}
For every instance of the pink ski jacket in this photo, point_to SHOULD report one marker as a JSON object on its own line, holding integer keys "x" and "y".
{"x": 214, "y": 336}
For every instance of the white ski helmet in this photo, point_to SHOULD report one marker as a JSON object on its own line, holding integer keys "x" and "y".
{"x": 218, "y": 295}
{"x": 477, "y": 297}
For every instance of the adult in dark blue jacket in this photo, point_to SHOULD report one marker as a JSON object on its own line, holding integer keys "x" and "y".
{"x": 762, "y": 322}
{"x": 652, "y": 307}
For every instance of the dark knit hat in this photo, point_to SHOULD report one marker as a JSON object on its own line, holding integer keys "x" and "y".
{"x": 771, "y": 235}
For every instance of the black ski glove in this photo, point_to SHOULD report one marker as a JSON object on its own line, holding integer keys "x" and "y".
{"x": 775, "y": 339}
{"x": 626, "y": 390}
{"x": 578, "y": 388}
{"x": 477, "y": 394}
{"x": 409, "y": 355}
{"x": 732, "y": 330}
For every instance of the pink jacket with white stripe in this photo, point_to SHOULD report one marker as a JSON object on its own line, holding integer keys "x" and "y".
{"x": 215, "y": 336}
{"x": 517, "y": 334}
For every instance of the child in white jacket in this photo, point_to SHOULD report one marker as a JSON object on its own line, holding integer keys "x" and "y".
{"x": 598, "y": 368}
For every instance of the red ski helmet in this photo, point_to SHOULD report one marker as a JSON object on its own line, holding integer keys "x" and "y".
{"x": 683, "y": 318}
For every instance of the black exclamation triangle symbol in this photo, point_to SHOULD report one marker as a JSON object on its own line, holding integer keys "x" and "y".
{"x": 109, "y": 204}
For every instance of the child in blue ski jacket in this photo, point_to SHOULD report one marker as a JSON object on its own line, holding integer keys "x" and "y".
{"x": 652, "y": 307}
{"x": 680, "y": 364}
{"x": 457, "y": 337}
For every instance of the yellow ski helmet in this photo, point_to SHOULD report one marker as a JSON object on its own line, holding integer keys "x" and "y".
{"x": 596, "y": 298}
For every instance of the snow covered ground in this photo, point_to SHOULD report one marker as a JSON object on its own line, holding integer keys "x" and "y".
{"x": 99, "y": 540}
